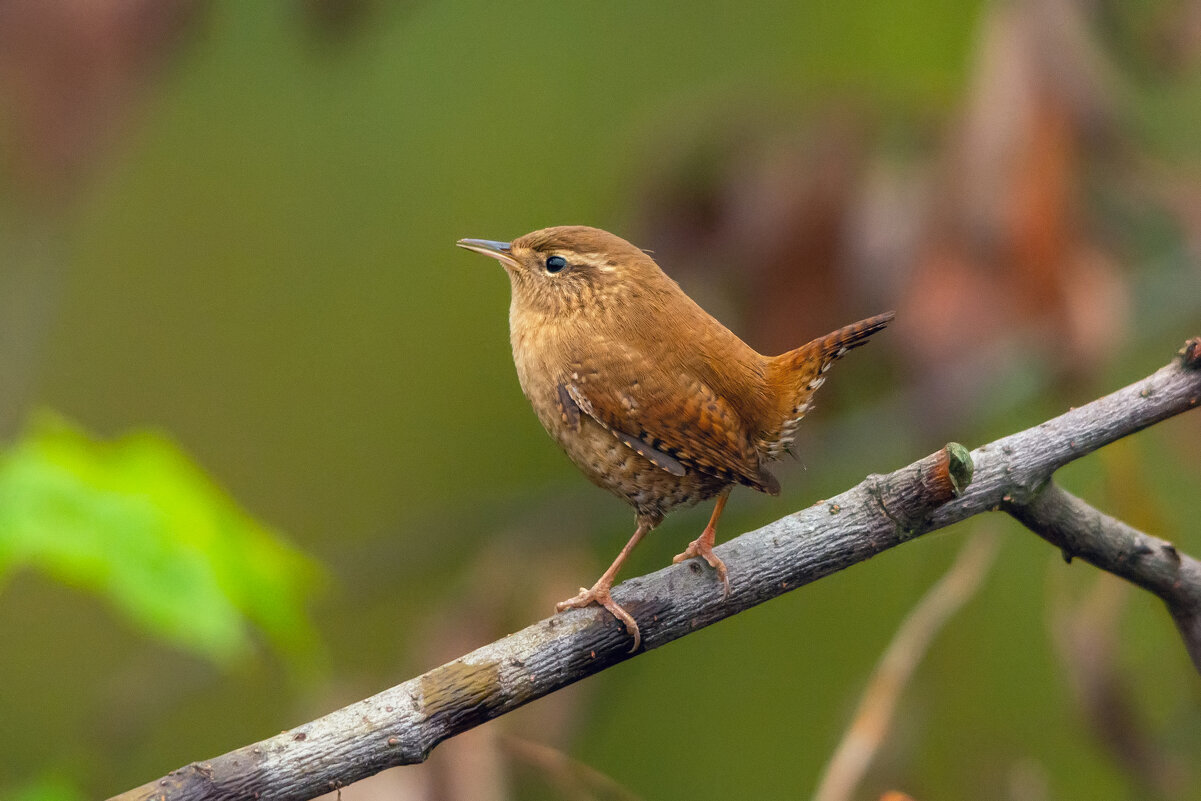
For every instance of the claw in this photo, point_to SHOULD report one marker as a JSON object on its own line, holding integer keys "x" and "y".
{"x": 599, "y": 594}
{"x": 702, "y": 546}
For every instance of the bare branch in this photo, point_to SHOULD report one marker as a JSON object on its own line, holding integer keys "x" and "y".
{"x": 1078, "y": 529}
{"x": 873, "y": 716}
{"x": 402, "y": 725}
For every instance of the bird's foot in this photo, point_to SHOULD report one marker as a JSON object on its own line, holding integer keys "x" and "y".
{"x": 599, "y": 594}
{"x": 702, "y": 546}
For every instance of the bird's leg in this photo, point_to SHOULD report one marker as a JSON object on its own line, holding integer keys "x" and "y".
{"x": 702, "y": 546}
{"x": 599, "y": 594}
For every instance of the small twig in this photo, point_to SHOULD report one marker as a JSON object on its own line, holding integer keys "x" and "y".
{"x": 1190, "y": 354}
{"x": 873, "y": 716}
{"x": 1079, "y": 530}
{"x": 569, "y": 774}
{"x": 402, "y": 725}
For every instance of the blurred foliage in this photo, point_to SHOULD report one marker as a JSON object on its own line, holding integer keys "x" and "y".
{"x": 137, "y": 523}
{"x": 45, "y": 789}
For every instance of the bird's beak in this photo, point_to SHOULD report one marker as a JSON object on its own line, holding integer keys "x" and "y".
{"x": 497, "y": 250}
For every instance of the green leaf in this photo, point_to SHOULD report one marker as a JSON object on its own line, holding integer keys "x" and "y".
{"x": 136, "y": 522}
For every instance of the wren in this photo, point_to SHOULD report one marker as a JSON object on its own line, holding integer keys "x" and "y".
{"x": 652, "y": 398}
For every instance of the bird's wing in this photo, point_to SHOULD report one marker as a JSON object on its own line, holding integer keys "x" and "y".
{"x": 669, "y": 416}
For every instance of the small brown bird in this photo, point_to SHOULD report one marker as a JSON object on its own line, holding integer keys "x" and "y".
{"x": 651, "y": 397}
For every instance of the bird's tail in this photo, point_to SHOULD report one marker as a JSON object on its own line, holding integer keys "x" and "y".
{"x": 796, "y": 375}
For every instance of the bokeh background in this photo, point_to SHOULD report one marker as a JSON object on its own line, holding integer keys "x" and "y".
{"x": 264, "y": 452}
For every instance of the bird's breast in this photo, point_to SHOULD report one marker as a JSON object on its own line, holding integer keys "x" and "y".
{"x": 549, "y": 355}
{"x": 541, "y": 356}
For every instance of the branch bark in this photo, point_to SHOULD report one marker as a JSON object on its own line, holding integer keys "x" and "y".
{"x": 1078, "y": 529}
{"x": 402, "y": 725}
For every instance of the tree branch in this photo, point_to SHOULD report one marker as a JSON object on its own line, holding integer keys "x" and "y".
{"x": 402, "y": 725}
{"x": 1078, "y": 529}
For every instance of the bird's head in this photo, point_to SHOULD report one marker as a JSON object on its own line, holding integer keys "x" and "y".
{"x": 572, "y": 268}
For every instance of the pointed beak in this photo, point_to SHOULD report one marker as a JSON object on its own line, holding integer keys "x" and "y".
{"x": 489, "y": 247}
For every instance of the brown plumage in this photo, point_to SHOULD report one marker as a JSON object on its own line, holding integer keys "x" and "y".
{"x": 652, "y": 398}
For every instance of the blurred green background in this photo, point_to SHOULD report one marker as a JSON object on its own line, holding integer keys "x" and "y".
{"x": 264, "y": 452}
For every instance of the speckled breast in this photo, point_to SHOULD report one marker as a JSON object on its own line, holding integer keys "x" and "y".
{"x": 609, "y": 463}
{"x": 605, "y": 460}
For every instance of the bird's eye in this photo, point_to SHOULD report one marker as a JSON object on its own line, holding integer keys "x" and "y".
{"x": 556, "y": 264}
